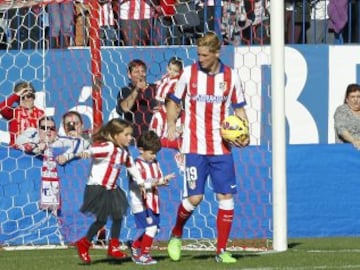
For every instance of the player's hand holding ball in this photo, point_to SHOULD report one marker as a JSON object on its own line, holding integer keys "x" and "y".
{"x": 235, "y": 131}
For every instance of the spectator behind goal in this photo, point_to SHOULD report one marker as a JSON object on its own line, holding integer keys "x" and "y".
{"x": 136, "y": 102}
{"x": 19, "y": 108}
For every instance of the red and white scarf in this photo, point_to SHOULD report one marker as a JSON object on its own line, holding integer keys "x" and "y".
{"x": 50, "y": 184}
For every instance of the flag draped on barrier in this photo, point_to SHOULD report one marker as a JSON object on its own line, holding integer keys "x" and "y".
{"x": 50, "y": 184}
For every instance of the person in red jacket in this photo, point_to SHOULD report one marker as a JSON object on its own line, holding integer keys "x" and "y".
{"x": 20, "y": 110}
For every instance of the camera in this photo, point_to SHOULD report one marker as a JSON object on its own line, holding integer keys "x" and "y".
{"x": 70, "y": 126}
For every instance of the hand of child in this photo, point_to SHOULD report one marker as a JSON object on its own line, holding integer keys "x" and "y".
{"x": 165, "y": 181}
{"x": 83, "y": 155}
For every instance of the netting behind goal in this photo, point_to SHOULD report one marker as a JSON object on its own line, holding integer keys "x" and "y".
{"x": 73, "y": 79}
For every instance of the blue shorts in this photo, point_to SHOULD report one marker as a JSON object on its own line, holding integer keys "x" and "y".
{"x": 220, "y": 168}
{"x": 146, "y": 219}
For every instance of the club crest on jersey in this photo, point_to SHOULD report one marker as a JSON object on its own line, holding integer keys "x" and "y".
{"x": 222, "y": 86}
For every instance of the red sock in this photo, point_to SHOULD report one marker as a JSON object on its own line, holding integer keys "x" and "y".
{"x": 223, "y": 223}
{"x": 137, "y": 242}
{"x": 146, "y": 243}
{"x": 182, "y": 216}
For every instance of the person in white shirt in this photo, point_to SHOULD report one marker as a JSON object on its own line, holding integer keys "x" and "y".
{"x": 37, "y": 140}
{"x": 319, "y": 31}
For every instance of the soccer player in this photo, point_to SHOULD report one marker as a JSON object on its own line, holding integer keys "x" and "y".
{"x": 208, "y": 88}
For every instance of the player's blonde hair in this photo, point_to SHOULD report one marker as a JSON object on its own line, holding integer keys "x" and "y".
{"x": 211, "y": 41}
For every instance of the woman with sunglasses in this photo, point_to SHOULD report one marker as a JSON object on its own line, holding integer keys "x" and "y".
{"x": 19, "y": 108}
{"x": 37, "y": 140}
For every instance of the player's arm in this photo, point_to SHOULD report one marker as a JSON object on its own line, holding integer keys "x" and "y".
{"x": 172, "y": 105}
{"x": 171, "y": 115}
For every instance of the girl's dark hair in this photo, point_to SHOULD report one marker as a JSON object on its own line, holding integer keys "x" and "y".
{"x": 353, "y": 87}
{"x": 108, "y": 131}
{"x": 149, "y": 141}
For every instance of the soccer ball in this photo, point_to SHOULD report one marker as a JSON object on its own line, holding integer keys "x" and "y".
{"x": 233, "y": 128}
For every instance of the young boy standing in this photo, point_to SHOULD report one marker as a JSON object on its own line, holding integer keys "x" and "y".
{"x": 144, "y": 200}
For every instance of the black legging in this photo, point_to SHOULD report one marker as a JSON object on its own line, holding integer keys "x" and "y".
{"x": 98, "y": 224}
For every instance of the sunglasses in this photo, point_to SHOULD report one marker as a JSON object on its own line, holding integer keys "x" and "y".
{"x": 30, "y": 95}
{"x": 48, "y": 128}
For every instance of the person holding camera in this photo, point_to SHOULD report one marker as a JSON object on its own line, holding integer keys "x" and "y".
{"x": 73, "y": 125}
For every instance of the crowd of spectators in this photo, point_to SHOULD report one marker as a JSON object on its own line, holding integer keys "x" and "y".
{"x": 177, "y": 22}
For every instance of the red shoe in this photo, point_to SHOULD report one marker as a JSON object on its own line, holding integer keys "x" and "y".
{"x": 83, "y": 246}
{"x": 114, "y": 250}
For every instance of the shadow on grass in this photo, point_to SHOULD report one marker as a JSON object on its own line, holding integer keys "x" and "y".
{"x": 125, "y": 260}
{"x": 293, "y": 245}
{"x": 212, "y": 256}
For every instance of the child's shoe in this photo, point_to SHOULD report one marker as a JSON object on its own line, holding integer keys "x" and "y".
{"x": 83, "y": 246}
{"x": 114, "y": 250}
{"x": 144, "y": 259}
{"x": 135, "y": 252}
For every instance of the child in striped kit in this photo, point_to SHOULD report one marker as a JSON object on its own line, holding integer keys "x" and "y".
{"x": 144, "y": 200}
{"x": 103, "y": 197}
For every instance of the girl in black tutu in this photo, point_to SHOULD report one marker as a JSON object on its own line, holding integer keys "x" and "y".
{"x": 103, "y": 197}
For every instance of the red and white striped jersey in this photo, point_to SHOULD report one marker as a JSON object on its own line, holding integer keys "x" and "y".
{"x": 106, "y": 15}
{"x": 135, "y": 10}
{"x": 159, "y": 125}
{"x": 151, "y": 173}
{"x": 164, "y": 86}
{"x": 106, "y": 164}
{"x": 208, "y": 98}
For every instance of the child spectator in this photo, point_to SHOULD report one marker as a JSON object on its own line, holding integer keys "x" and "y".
{"x": 145, "y": 199}
{"x": 159, "y": 125}
{"x": 103, "y": 198}
{"x": 169, "y": 79}
{"x": 22, "y": 115}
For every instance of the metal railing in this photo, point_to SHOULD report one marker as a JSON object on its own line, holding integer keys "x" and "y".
{"x": 239, "y": 22}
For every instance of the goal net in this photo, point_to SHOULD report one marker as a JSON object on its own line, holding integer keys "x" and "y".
{"x": 86, "y": 77}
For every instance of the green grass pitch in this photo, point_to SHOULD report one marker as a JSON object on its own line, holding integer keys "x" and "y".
{"x": 302, "y": 254}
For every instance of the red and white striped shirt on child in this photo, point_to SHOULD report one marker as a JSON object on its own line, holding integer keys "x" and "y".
{"x": 207, "y": 100}
{"x": 107, "y": 163}
{"x": 151, "y": 173}
{"x": 159, "y": 125}
{"x": 164, "y": 86}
